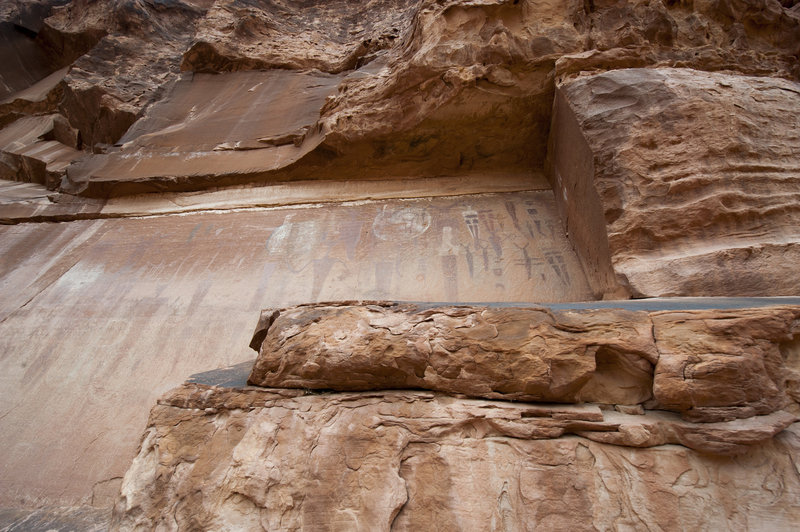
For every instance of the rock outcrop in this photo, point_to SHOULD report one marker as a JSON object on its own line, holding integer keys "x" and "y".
{"x": 256, "y": 459}
{"x": 527, "y": 354}
{"x": 264, "y": 458}
{"x": 690, "y": 178}
{"x": 209, "y": 158}
{"x": 425, "y": 88}
{"x": 707, "y": 365}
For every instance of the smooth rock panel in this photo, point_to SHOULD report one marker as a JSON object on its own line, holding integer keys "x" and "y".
{"x": 219, "y": 125}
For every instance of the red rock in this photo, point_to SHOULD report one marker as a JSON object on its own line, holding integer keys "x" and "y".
{"x": 396, "y": 460}
{"x": 529, "y": 354}
{"x": 661, "y": 203}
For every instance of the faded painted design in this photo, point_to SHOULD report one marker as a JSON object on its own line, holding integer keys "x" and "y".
{"x": 126, "y": 309}
{"x": 480, "y": 248}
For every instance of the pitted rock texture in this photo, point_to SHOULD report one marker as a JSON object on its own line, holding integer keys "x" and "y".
{"x": 258, "y": 459}
{"x": 518, "y": 353}
{"x": 436, "y": 88}
{"x": 707, "y": 365}
{"x": 694, "y": 177}
{"x": 716, "y": 364}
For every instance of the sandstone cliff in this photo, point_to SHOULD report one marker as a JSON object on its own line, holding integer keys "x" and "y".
{"x": 206, "y": 159}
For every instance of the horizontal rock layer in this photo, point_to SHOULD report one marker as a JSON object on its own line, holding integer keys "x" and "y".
{"x": 435, "y": 88}
{"x": 708, "y": 365}
{"x": 255, "y": 459}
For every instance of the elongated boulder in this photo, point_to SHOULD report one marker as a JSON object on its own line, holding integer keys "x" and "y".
{"x": 711, "y": 365}
{"x": 530, "y": 354}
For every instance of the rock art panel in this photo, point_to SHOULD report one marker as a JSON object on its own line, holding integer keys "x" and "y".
{"x": 696, "y": 178}
{"x": 673, "y": 137}
{"x": 95, "y": 299}
{"x": 253, "y": 458}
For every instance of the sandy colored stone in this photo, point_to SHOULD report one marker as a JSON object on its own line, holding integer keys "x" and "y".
{"x": 37, "y": 149}
{"x": 370, "y": 91}
{"x": 396, "y": 461}
{"x": 722, "y": 365}
{"x": 530, "y": 354}
{"x": 229, "y": 128}
{"x": 714, "y": 365}
{"x": 427, "y": 88}
{"x": 88, "y": 303}
{"x": 690, "y": 179}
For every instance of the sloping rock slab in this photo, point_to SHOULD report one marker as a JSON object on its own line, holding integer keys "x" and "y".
{"x": 211, "y": 127}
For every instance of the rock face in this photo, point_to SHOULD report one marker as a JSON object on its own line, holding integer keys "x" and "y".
{"x": 204, "y": 159}
{"x": 95, "y": 299}
{"x": 254, "y": 459}
{"x": 517, "y": 353}
{"x": 426, "y": 88}
{"x": 691, "y": 178}
{"x": 265, "y": 458}
{"x": 708, "y": 365}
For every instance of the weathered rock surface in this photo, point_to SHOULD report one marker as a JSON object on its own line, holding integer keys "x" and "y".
{"x": 59, "y": 518}
{"x": 724, "y": 364}
{"x": 255, "y": 459}
{"x": 708, "y": 365}
{"x": 436, "y": 88}
{"x": 529, "y": 354}
{"x": 691, "y": 180}
{"x": 88, "y": 303}
{"x": 37, "y": 149}
{"x": 676, "y": 123}
{"x": 229, "y": 128}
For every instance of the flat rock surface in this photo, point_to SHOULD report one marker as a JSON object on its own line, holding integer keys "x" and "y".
{"x": 60, "y": 519}
{"x": 239, "y": 123}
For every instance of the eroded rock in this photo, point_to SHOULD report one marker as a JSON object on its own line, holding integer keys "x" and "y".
{"x": 253, "y": 458}
{"x": 719, "y": 365}
{"x": 708, "y": 365}
{"x": 677, "y": 182}
{"x": 436, "y": 88}
{"x": 529, "y": 354}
